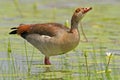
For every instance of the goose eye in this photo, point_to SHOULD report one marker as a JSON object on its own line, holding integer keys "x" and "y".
{"x": 78, "y": 10}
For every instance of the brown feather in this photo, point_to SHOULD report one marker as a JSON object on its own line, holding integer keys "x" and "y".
{"x": 49, "y": 29}
{"x": 23, "y": 28}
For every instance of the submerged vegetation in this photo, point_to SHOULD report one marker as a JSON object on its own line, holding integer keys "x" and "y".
{"x": 19, "y": 60}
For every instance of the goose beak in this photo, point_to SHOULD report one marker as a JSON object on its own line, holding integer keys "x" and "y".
{"x": 85, "y": 10}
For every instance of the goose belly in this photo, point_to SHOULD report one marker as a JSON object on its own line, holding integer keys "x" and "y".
{"x": 45, "y": 44}
{"x": 49, "y": 46}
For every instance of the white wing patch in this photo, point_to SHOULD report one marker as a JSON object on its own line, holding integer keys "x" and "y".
{"x": 45, "y": 36}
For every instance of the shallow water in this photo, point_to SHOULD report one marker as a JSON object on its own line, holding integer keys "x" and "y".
{"x": 67, "y": 66}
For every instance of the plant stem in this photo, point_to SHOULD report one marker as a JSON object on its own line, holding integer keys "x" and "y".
{"x": 83, "y": 32}
{"x": 106, "y": 70}
{"x": 86, "y": 62}
{"x": 17, "y": 7}
{"x": 27, "y": 57}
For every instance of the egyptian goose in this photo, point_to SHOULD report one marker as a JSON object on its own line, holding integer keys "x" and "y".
{"x": 52, "y": 38}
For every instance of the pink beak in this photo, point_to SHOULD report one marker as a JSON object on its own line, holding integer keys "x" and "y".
{"x": 85, "y": 10}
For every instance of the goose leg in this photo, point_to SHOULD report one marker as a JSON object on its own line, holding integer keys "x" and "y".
{"x": 47, "y": 61}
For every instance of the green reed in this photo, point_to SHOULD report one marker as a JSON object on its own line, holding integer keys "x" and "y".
{"x": 27, "y": 58}
{"x": 16, "y": 3}
{"x": 86, "y": 64}
{"x": 35, "y": 9}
